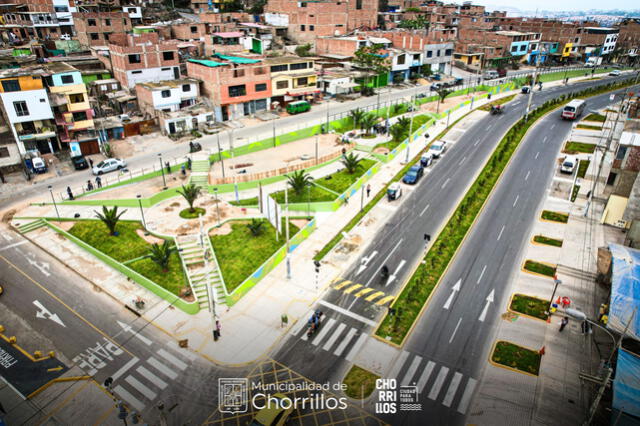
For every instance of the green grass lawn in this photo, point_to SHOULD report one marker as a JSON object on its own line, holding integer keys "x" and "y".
{"x": 531, "y": 306}
{"x": 187, "y": 214}
{"x": 360, "y": 383}
{"x": 240, "y": 253}
{"x": 548, "y": 241}
{"x": 582, "y": 168}
{"x": 572, "y": 147}
{"x": 391, "y": 145}
{"x": 500, "y": 101}
{"x": 570, "y": 74}
{"x": 595, "y": 117}
{"x": 555, "y": 216}
{"x": 173, "y": 280}
{"x": 418, "y": 121}
{"x": 516, "y": 357}
{"x": 540, "y": 268}
{"x": 588, "y": 127}
{"x": 341, "y": 181}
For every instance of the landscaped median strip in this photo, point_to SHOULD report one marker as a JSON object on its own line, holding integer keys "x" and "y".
{"x": 529, "y": 306}
{"x": 418, "y": 289}
{"x": 541, "y": 239}
{"x": 516, "y": 358}
{"x": 539, "y": 268}
{"x": 557, "y": 217}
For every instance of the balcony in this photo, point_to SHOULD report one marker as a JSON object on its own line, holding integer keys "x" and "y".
{"x": 39, "y": 133}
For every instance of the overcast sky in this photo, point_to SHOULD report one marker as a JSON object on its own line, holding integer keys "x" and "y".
{"x": 561, "y": 4}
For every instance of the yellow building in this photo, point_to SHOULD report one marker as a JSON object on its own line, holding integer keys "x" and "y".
{"x": 292, "y": 79}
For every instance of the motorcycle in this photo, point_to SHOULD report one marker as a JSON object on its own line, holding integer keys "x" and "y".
{"x": 384, "y": 272}
{"x": 497, "y": 109}
{"x": 314, "y": 323}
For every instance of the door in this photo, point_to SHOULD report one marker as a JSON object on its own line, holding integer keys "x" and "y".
{"x": 172, "y": 128}
{"x": 176, "y": 73}
{"x": 89, "y": 147}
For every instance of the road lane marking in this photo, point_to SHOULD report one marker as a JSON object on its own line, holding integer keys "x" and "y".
{"x": 395, "y": 273}
{"x": 516, "y": 201}
{"x": 481, "y": 274}
{"x": 500, "y": 235}
{"x": 302, "y": 321}
{"x": 182, "y": 351}
{"x": 424, "y": 378}
{"x": 334, "y": 336}
{"x": 172, "y": 359}
{"x": 488, "y": 127}
{"x": 356, "y": 348}
{"x": 437, "y": 385}
{"x": 537, "y": 153}
{"x": 345, "y": 312}
{"x": 128, "y": 328}
{"x": 162, "y": 368}
{"x": 345, "y": 342}
{"x": 424, "y": 210}
{"x": 466, "y": 396}
{"x": 489, "y": 300}
{"x": 553, "y": 125}
{"x": 363, "y": 292}
{"x": 455, "y": 330}
{"x": 140, "y": 387}
{"x": 406, "y": 380}
{"x": 445, "y": 182}
{"x": 544, "y": 139}
{"x": 374, "y": 296}
{"x": 130, "y": 399}
{"x": 324, "y": 329}
{"x": 152, "y": 377}
{"x": 527, "y": 176}
{"x": 462, "y": 161}
{"x": 352, "y": 288}
{"x": 365, "y": 262}
{"x": 384, "y": 262}
{"x": 124, "y": 368}
{"x": 451, "y": 392}
{"x": 385, "y": 300}
{"x": 477, "y": 142}
{"x": 393, "y": 374}
{"x": 342, "y": 284}
{"x": 13, "y": 245}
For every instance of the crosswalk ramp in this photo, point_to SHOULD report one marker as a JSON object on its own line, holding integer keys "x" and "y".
{"x": 140, "y": 381}
{"x": 438, "y": 382}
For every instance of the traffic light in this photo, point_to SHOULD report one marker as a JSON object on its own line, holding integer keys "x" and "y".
{"x": 317, "y": 266}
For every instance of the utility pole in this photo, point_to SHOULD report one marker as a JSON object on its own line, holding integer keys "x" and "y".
{"x": 533, "y": 82}
{"x": 286, "y": 224}
{"x": 274, "y": 132}
{"x": 220, "y": 154}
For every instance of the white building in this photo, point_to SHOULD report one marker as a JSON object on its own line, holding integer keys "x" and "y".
{"x": 167, "y": 96}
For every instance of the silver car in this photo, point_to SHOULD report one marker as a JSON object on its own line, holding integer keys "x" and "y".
{"x": 108, "y": 165}
{"x": 437, "y": 149}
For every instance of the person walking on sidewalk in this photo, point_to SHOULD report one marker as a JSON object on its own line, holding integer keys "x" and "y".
{"x": 69, "y": 193}
{"x": 89, "y": 185}
{"x": 368, "y": 190}
{"x": 98, "y": 181}
{"x": 90, "y": 163}
{"x": 564, "y": 323}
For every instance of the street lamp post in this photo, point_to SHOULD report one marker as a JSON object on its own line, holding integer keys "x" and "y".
{"x": 215, "y": 192}
{"x": 286, "y": 225}
{"x": 164, "y": 180}
{"x": 556, "y": 283}
{"x": 144, "y": 222}
{"x": 220, "y": 154}
{"x": 54, "y": 202}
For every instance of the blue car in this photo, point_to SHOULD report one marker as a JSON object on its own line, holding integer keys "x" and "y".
{"x": 413, "y": 175}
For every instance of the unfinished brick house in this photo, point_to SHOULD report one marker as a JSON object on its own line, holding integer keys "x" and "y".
{"x": 95, "y": 28}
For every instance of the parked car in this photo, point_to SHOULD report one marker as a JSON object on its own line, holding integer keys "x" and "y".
{"x": 426, "y": 159}
{"x": 298, "y": 107}
{"x": 436, "y": 86}
{"x": 39, "y": 165}
{"x": 108, "y": 165}
{"x": 526, "y": 89}
{"x": 79, "y": 162}
{"x": 394, "y": 191}
{"x": 568, "y": 164}
{"x": 491, "y": 74}
{"x": 437, "y": 148}
{"x": 589, "y": 65}
{"x": 413, "y": 175}
{"x": 274, "y": 413}
{"x": 615, "y": 73}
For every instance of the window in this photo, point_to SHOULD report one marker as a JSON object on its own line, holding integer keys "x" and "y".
{"x": 80, "y": 116}
{"x": 311, "y": 27}
{"x": 94, "y": 36}
{"x": 42, "y": 100}
{"x": 194, "y": 29}
{"x": 10, "y": 85}
{"x": 279, "y": 68}
{"x": 358, "y": 4}
{"x": 61, "y": 8}
{"x": 523, "y": 47}
{"x": 303, "y": 81}
{"x": 167, "y": 56}
{"x": 107, "y": 35}
{"x": 186, "y": 87}
{"x": 303, "y": 4}
{"x": 166, "y": 69}
{"x": 238, "y": 73}
{"x": 282, "y": 84}
{"x": 259, "y": 70}
{"x": 165, "y": 93}
{"x": 438, "y": 52}
{"x": 514, "y": 48}
{"x": 107, "y": 22}
{"x": 76, "y": 98}
{"x": 134, "y": 59}
{"x": 235, "y": 91}
{"x": 429, "y": 53}
{"x": 124, "y": 21}
{"x": 416, "y": 57}
{"x": 136, "y": 72}
{"x": 448, "y": 52}
{"x": 21, "y": 108}
{"x": 4, "y": 152}
{"x": 261, "y": 87}
{"x": 622, "y": 150}
{"x": 67, "y": 79}
{"x": 91, "y": 22}
{"x": 401, "y": 59}
{"x": 300, "y": 66}
{"x": 302, "y": 27}
{"x": 209, "y": 118}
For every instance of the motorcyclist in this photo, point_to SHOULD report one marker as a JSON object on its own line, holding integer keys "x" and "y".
{"x": 385, "y": 271}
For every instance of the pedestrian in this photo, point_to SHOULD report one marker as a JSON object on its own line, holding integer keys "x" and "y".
{"x": 2, "y": 177}
{"x": 168, "y": 166}
{"x": 90, "y": 163}
{"x": 189, "y": 163}
{"x": 218, "y": 327}
{"x": 89, "y": 185}
{"x": 183, "y": 170}
{"x": 368, "y": 190}
{"x": 564, "y": 323}
{"x": 98, "y": 181}
{"x": 346, "y": 200}
{"x": 69, "y": 193}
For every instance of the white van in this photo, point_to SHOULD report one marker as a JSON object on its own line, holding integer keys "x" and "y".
{"x": 488, "y": 75}
{"x": 569, "y": 164}
{"x": 573, "y": 109}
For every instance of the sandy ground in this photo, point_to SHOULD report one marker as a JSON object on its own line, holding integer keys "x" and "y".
{"x": 447, "y": 103}
{"x": 279, "y": 157}
{"x": 145, "y": 188}
{"x": 144, "y": 143}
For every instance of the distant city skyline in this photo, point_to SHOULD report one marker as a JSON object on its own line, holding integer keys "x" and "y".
{"x": 556, "y": 6}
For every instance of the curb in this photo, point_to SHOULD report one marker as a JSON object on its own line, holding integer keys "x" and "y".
{"x": 506, "y": 367}
{"x": 523, "y": 314}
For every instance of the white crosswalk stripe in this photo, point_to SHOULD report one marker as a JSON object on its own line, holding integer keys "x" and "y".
{"x": 128, "y": 398}
{"x": 451, "y": 392}
{"x": 356, "y": 348}
{"x": 437, "y": 385}
{"x": 182, "y": 351}
{"x": 424, "y": 378}
{"x": 324, "y": 329}
{"x": 172, "y": 359}
{"x": 162, "y": 368}
{"x": 301, "y": 323}
{"x": 406, "y": 380}
{"x": 140, "y": 387}
{"x": 152, "y": 377}
{"x": 398, "y": 365}
{"x": 342, "y": 346}
{"x": 466, "y": 396}
{"x": 334, "y": 337}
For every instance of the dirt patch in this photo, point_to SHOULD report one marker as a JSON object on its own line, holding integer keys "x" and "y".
{"x": 65, "y": 226}
{"x": 149, "y": 238}
{"x": 185, "y": 294}
{"x": 222, "y": 230}
{"x": 300, "y": 223}
{"x": 381, "y": 150}
{"x": 6, "y": 218}
{"x": 174, "y": 204}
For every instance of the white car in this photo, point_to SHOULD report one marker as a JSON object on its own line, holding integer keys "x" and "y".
{"x": 568, "y": 164}
{"x": 615, "y": 73}
{"x": 108, "y": 165}
{"x": 437, "y": 148}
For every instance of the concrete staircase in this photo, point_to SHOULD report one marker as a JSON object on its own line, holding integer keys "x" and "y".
{"x": 200, "y": 169}
{"x": 31, "y": 226}
{"x": 199, "y": 274}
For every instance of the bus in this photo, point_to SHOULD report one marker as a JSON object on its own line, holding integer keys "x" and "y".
{"x": 573, "y": 109}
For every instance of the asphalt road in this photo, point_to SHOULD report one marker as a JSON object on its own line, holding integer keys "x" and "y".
{"x": 92, "y": 331}
{"x": 445, "y": 353}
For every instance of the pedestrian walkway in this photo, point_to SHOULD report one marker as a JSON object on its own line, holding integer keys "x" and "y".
{"x": 200, "y": 169}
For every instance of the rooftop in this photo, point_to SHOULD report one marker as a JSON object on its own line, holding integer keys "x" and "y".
{"x": 207, "y": 62}
{"x": 168, "y": 84}
{"x": 233, "y": 34}
{"x": 279, "y": 60}
{"x": 514, "y": 33}
{"x": 237, "y": 59}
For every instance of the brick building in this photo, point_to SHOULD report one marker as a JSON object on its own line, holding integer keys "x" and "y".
{"x": 629, "y": 40}
{"x": 37, "y": 19}
{"x": 189, "y": 31}
{"x": 95, "y": 28}
{"x": 308, "y": 20}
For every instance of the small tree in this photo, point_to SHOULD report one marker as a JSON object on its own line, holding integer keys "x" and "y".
{"x": 404, "y": 122}
{"x": 370, "y": 59}
{"x": 160, "y": 254}
{"x": 110, "y": 217}
{"x": 425, "y": 70}
{"x": 398, "y": 132}
{"x": 255, "y": 226}
{"x": 299, "y": 180}
{"x": 356, "y": 115}
{"x": 190, "y": 193}
{"x": 303, "y": 50}
{"x": 442, "y": 93}
{"x": 367, "y": 122}
{"x": 351, "y": 162}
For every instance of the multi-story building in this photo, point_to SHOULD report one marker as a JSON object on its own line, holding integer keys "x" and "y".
{"x": 598, "y": 43}
{"x": 34, "y": 20}
{"x": 27, "y": 109}
{"x": 629, "y": 40}
{"x": 227, "y": 42}
{"x": 308, "y": 20}
{"x": 167, "y": 96}
{"x": 292, "y": 79}
{"x": 10, "y": 159}
{"x": 236, "y": 86}
{"x": 189, "y": 31}
{"x": 95, "y": 28}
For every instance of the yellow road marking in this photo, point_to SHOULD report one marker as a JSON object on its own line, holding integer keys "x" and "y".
{"x": 342, "y": 284}
{"x": 363, "y": 292}
{"x": 353, "y": 288}
{"x": 385, "y": 300}
{"x": 374, "y": 296}
{"x": 49, "y": 370}
{"x": 64, "y": 304}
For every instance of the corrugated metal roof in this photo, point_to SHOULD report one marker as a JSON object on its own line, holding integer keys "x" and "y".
{"x": 207, "y": 63}
{"x": 237, "y": 59}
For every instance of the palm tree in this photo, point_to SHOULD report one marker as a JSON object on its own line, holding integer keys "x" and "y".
{"x": 403, "y": 122}
{"x": 442, "y": 93}
{"x": 255, "y": 226}
{"x": 367, "y": 122}
{"x": 190, "y": 193}
{"x": 160, "y": 254}
{"x": 356, "y": 115}
{"x": 398, "y": 132}
{"x": 351, "y": 162}
{"x": 110, "y": 218}
{"x": 299, "y": 180}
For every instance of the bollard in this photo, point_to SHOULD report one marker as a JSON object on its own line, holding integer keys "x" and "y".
{"x": 13, "y": 340}
{"x": 37, "y": 354}
{"x": 52, "y": 354}
{"x": 1, "y": 329}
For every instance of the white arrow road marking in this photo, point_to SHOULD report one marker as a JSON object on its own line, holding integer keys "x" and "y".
{"x": 42, "y": 266}
{"x": 455, "y": 330}
{"x": 489, "y": 299}
{"x": 454, "y": 289}
{"x": 481, "y": 274}
{"x": 383, "y": 263}
{"x": 393, "y": 276}
{"x": 365, "y": 262}
{"x": 44, "y": 313}
{"x": 127, "y": 328}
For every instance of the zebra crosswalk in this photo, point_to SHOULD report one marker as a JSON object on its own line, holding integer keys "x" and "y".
{"x": 368, "y": 294}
